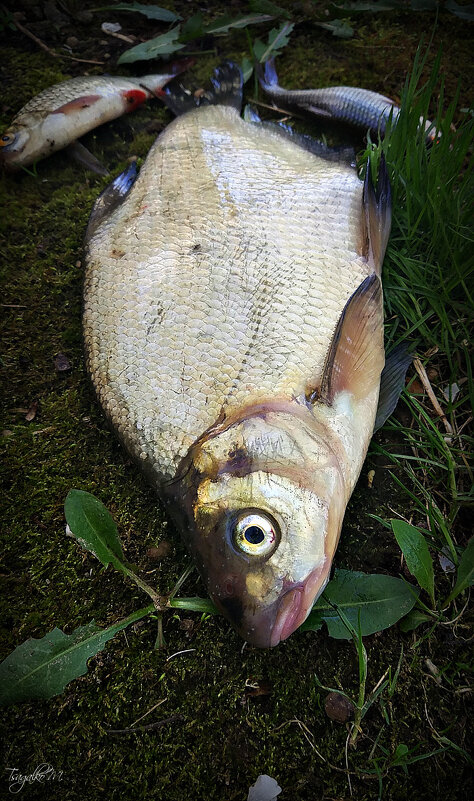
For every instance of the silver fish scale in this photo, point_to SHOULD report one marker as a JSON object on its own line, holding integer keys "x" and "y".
{"x": 218, "y": 282}
{"x": 61, "y": 93}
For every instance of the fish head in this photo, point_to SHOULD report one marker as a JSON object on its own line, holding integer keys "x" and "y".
{"x": 13, "y": 143}
{"x": 264, "y": 504}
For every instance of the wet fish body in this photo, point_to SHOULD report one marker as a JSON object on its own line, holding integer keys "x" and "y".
{"x": 62, "y": 113}
{"x": 234, "y": 335}
{"x": 351, "y": 105}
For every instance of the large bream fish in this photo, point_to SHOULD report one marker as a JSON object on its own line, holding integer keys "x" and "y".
{"x": 234, "y": 335}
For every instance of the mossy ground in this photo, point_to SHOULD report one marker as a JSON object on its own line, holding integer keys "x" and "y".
{"x": 223, "y": 738}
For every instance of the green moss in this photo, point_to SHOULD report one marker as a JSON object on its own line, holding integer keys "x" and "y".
{"x": 221, "y": 739}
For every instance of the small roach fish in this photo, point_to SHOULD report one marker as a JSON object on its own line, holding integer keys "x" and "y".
{"x": 347, "y": 104}
{"x": 233, "y": 329}
{"x": 59, "y": 115}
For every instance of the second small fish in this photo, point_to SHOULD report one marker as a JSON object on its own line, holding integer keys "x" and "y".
{"x": 62, "y": 113}
{"x": 347, "y": 104}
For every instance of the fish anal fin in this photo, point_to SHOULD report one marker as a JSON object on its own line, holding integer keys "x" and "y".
{"x": 392, "y": 382}
{"x": 319, "y": 111}
{"x": 77, "y": 104}
{"x": 377, "y": 216}
{"x": 355, "y": 358}
{"x": 111, "y": 198}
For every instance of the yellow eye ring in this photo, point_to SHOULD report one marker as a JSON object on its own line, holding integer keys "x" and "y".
{"x": 254, "y": 533}
{"x": 7, "y": 139}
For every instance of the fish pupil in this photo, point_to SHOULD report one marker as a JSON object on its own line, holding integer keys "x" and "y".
{"x": 254, "y": 535}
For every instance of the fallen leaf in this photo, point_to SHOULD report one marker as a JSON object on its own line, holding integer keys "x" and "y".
{"x": 264, "y": 789}
{"x": 255, "y": 687}
{"x": 157, "y": 552}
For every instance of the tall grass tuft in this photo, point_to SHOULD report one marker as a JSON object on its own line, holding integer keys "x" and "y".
{"x": 428, "y": 297}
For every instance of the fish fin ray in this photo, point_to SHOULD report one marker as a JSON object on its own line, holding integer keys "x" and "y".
{"x": 376, "y": 201}
{"x": 392, "y": 382}
{"x": 77, "y": 104}
{"x": 226, "y": 89}
{"x": 111, "y": 198}
{"x": 355, "y": 357}
{"x": 83, "y": 156}
{"x": 342, "y": 155}
{"x": 251, "y": 114}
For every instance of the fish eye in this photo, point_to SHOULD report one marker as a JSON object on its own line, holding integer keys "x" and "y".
{"x": 255, "y": 533}
{"x": 7, "y": 139}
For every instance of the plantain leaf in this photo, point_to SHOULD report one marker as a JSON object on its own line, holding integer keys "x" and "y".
{"x": 225, "y": 23}
{"x": 379, "y": 600}
{"x": 42, "y": 668}
{"x": 278, "y": 38}
{"x": 414, "y": 619}
{"x": 338, "y": 27}
{"x": 266, "y": 7}
{"x": 465, "y": 577}
{"x": 416, "y": 553}
{"x": 94, "y": 528}
{"x": 158, "y": 47}
{"x": 152, "y": 12}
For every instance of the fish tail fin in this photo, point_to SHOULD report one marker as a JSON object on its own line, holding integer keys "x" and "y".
{"x": 226, "y": 90}
{"x": 267, "y": 75}
{"x": 270, "y": 74}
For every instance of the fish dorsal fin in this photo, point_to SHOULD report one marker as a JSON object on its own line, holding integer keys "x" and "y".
{"x": 392, "y": 382}
{"x": 355, "y": 358}
{"x": 377, "y": 203}
{"x": 111, "y": 198}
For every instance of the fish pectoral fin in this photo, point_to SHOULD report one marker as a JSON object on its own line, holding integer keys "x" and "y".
{"x": 111, "y": 198}
{"x": 377, "y": 217}
{"x": 83, "y": 156}
{"x": 392, "y": 382}
{"x": 318, "y": 111}
{"x": 355, "y": 358}
{"x": 77, "y": 104}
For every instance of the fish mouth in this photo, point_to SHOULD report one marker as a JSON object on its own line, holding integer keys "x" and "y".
{"x": 296, "y": 604}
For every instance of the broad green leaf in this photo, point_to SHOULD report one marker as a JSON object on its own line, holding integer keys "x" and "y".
{"x": 417, "y": 556}
{"x": 381, "y": 601}
{"x": 192, "y": 28}
{"x": 194, "y": 605}
{"x": 278, "y": 38}
{"x": 384, "y": 5}
{"x": 225, "y": 23}
{"x": 152, "y": 12}
{"x": 160, "y": 46}
{"x": 42, "y": 668}
{"x": 94, "y": 528}
{"x": 338, "y": 27}
{"x": 465, "y": 577}
{"x": 266, "y": 7}
{"x": 463, "y": 12}
{"x": 414, "y": 619}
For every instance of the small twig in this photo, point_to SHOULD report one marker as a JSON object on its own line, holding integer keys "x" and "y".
{"x": 149, "y": 727}
{"x": 429, "y": 391}
{"x": 12, "y": 306}
{"x": 276, "y": 108}
{"x": 122, "y": 36}
{"x": 49, "y": 50}
{"x": 149, "y": 712}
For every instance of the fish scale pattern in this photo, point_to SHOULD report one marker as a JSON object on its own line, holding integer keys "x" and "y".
{"x": 218, "y": 282}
